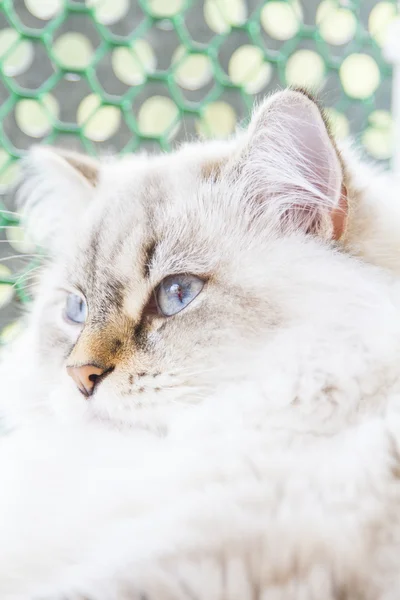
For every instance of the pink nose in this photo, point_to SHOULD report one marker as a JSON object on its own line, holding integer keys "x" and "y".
{"x": 87, "y": 377}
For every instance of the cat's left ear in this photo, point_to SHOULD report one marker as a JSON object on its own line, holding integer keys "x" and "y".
{"x": 55, "y": 188}
{"x": 291, "y": 168}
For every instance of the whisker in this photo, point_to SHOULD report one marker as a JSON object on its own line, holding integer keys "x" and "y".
{"x": 10, "y": 212}
{"x": 26, "y": 276}
{"x": 37, "y": 247}
{"x": 29, "y": 275}
{"x": 20, "y": 256}
{"x": 193, "y": 401}
{"x": 27, "y": 286}
{"x": 19, "y": 242}
{"x": 28, "y": 289}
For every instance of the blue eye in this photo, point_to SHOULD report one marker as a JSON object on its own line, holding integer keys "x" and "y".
{"x": 177, "y": 291}
{"x": 75, "y": 309}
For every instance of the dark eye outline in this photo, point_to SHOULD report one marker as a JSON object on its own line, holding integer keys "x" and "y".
{"x": 154, "y": 305}
{"x": 65, "y": 315}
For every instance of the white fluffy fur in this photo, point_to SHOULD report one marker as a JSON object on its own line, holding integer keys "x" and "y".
{"x": 280, "y": 478}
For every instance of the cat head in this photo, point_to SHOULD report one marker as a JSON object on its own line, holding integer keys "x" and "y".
{"x": 169, "y": 271}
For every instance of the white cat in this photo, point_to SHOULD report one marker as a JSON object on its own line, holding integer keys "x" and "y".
{"x": 205, "y": 402}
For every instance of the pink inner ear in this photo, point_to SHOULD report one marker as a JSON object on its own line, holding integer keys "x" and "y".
{"x": 311, "y": 221}
{"x": 292, "y": 164}
{"x": 313, "y": 145}
{"x": 340, "y": 214}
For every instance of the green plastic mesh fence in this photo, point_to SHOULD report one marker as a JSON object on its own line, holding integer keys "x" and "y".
{"x": 119, "y": 75}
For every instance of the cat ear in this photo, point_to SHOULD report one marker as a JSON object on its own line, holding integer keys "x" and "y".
{"x": 54, "y": 188}
{"x": 292, "y": 168}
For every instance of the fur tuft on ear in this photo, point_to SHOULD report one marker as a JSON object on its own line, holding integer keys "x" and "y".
{"x": 291, "y": 168}
{"x": 53, "y": 190}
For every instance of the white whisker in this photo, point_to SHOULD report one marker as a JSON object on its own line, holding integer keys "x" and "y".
{"x": 17, "y": 256}
{"x": 26, "y": 276}
{"x": 10, "y": 212}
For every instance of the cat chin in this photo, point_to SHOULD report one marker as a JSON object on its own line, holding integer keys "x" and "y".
{"x": 67, "y": 405}
{"x": 149, "y": 411}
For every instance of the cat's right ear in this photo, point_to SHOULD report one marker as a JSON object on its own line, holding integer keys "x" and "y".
{"x": 54, "y": 188}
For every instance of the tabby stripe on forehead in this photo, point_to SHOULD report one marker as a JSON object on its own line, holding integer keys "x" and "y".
{"x": 115, "y": 291}
{"x": 92, "y": 259}
{"x": 148, "y": 257}
{"x": 107, "y": 296}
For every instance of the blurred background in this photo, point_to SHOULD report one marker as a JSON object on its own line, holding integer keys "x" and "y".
{"x": 102, "y": 76}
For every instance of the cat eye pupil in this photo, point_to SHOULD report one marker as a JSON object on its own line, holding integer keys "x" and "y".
{"x": 176, "y": 292}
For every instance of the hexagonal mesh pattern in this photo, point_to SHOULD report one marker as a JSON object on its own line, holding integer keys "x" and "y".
{"x": 119, "y": 75}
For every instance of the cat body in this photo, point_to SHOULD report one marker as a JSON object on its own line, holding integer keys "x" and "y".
{"x": 205, "y": 403}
